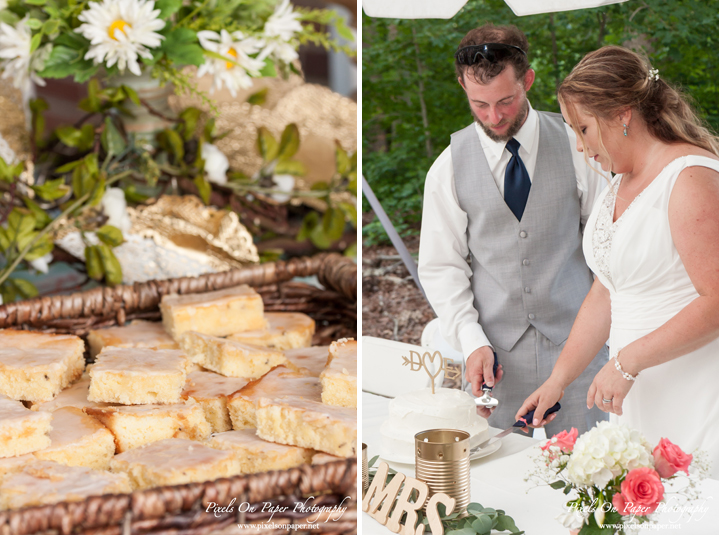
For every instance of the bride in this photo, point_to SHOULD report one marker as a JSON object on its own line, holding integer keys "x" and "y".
{"x": 652, "y": 241}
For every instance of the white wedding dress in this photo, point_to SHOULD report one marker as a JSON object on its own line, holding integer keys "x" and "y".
{"x": 636, "y": 260}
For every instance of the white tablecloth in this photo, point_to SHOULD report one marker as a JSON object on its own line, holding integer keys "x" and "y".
{"x": 497, "y": 481}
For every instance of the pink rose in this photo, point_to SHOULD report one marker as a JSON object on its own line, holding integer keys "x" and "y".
{"x": 641, "y": 493}
{"x": 670, "y": 459}
{"x": 565, "y": 441}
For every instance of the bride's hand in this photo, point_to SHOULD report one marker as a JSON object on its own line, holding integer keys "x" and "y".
{"x": 608, "y": 384}
{"x": 540, "y": 401}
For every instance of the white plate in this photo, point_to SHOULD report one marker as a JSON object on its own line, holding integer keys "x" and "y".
{"x": 401, "y": 459}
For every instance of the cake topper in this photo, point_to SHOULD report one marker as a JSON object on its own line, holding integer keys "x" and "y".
{"x": 417, "y": 362}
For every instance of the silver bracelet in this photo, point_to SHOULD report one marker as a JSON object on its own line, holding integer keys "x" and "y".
{"x": 618, "y": 366}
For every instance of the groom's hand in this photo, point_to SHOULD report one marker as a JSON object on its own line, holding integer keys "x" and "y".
{"x": 479, "y": 369}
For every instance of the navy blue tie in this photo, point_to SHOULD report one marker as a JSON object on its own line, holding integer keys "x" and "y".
{"x": 516, "y": 181}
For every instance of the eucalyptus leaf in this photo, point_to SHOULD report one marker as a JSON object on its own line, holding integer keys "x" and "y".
{"x": 559, "y": 484}
{"x": 482, "y": 525}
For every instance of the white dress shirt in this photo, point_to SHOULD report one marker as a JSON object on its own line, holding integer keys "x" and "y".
{"x": 443, "y": 251}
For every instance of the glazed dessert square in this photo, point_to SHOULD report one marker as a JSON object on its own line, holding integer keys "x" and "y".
{"x": 173, "y": 462}
{"x": 324, "y": 458}
{"x": 310, "y": 360}
{"x": 73, "y": 396}
{"x": 285, "y": 330}
{"x": 78, "y": 440}
{"x": 134, "y": 376}
{"x": 279, "y": 382}
{"x": 257, "y": 455}
{"x": 219, "y": 313}
{"x": 339, "y": 379}
{"x": 149, "y": 334}
{"x": 229, "y": 358}
{"x": 210, "y": 390}
{"x": 136, "y": 425}
{"x": 308, "y": 424}
{"x": 46, "y": 482}
{"x": 22, "y": 430}
{"x": 9, "y": 465}
{"x": 36, "y": 366}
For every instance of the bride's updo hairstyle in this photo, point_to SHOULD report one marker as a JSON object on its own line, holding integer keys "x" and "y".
{"x": 613, "y": 78}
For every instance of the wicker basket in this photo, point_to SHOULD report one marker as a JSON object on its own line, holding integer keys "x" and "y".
{"x": 181, "y": 509}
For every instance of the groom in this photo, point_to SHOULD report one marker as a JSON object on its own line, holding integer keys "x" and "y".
{"x": 511, "y": 193}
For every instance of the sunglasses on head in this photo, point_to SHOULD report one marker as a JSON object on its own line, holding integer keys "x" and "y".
{"x": 492, "y": 52}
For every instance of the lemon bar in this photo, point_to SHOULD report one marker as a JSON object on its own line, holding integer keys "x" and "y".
{"x": 279, "y": 382}
{"x": 78, "y": 440}
{"x": 174, "y": 461}
{"x": 233, "y": 359}
{"x": 257, "y": 455}
{"x": 73, "y": 396}
{"x": 9, "y": 465}
{"x": 312, "y": 359}
{"x": 46, "y": 482}
{"x": 210, "y": 390}
{"x": 36, "y": 366}
{"x": 285, "y": 330}
{"x": 308, "y": 424}
{"x": 22, "y": 430}
{"x": 218, "y": 313}
{"x": 136, "y": 425}
{"x": 139, "y": 333}
{"x": 135, "y": 376}
{"x": 339, "y": 378}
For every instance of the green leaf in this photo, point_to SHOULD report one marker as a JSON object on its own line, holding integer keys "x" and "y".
{"x": 50, "y": 26}
{"x": 351, "y": 251}
{"x": 33, "y": 24}
{"x": 290, "y": 167}
{"x": 567, "y": 489}
{"x": 20, "y": 225}
{"x": 203, "y": 188}
{"x": 9, "y": 292}
{"x": 558, "y": 484}
{"x": 258, "y": 98}
{"x": 93, "y": 264}
{"x": 132, "y": 95}
{"x": 37, "y": 106}
{"x": 110, "y": 235}
{"x": 266, "y": 144}
{"x": 110, "y": 265}
{"x": 133, "y": 196}
{"x": 35, "y": 42}
{"x": 6, "y": 172}
{"x": 209, "y": 129}
{"x": 36, "y": 2}
{"x": 92, "y": 103}
{"x": 343, "y": 161}
{"x": 60, "y": 63}
{"x": 343, "y": 30}
{"x": 289, "y": 142}
{"x": 98, "y": 191}
{"x": 8, "y": 17}
{"x": 269, "y": 69}
{"x": 69, "y": 166}
{"x": 41, "y": 218}
{"x": 4, "y": 240}
{"x": 352, "y": 186}
{"x": 43, "y": 246}
{"x": 189, "y": 117}
{"x": 310, "y": 221}
{"x": 168, "y": 7}
{"x": 333, "y": 223}
{"x": 181, "y": 47}
{"x": 175, "y": 144}
{"x": 320, "y": 186}
{"x": 111, "y": 139}
{"x": 25, "y": 288}
{"x": 350, "y": 212}
{"x": 81, "y": 139}
{"x": 482, "y": 525}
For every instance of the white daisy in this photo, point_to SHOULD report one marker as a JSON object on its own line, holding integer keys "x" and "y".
{"x": 237, "y": 73}
{"x": 279, "y": 31}
{"x": 121, "y": 30}
{"x": 17, "y": 61}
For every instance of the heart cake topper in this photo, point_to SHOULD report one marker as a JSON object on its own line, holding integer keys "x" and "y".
{"x": 417, "y": 362}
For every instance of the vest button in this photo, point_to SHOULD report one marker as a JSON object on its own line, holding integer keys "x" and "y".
{"x": 525, "y": 262}
{"x": 523, "y": 234}
{"x": 531, "y": 316}
{"x": 527, "y": 290}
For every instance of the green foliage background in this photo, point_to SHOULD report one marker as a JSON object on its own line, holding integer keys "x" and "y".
{"x": 408, "y": 64}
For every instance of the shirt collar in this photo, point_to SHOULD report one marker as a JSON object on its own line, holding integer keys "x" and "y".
{"x": 527, "y": 135}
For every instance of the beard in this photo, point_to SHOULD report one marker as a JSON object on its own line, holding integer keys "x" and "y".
{"x": 514, "y": 126}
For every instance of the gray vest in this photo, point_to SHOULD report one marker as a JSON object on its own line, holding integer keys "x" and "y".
{"x": 528, "y": 272}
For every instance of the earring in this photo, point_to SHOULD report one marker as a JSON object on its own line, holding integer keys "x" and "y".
{"x": 625, "y": 130}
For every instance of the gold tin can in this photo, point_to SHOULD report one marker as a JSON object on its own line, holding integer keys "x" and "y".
{"x": 365, "y": 470}
{"x": 442, "y": 461}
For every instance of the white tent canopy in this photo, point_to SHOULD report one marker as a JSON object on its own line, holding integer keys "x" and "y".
{"x": 446, "y": 9}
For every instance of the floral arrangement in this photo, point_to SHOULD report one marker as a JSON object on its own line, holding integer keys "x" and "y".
{"x": 233, "y": 40}
{"x": 619, "y": 479}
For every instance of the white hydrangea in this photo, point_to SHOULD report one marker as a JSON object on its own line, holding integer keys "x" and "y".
{"x": 572, "y": 519}
{"x": 216, "y": 164}
{"x": 602, "y": 453}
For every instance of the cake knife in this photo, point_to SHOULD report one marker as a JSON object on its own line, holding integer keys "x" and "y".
{"x": 516, "y": 425}
{"x": 486, "y": 400}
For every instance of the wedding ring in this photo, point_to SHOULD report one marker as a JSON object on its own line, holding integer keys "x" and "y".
{"x": 607, "y": 400}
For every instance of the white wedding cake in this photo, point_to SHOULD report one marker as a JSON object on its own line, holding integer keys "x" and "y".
{"x": 419, "y": 411}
